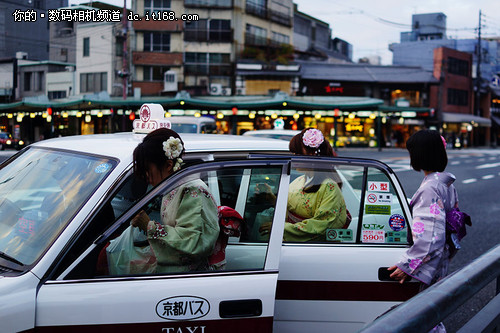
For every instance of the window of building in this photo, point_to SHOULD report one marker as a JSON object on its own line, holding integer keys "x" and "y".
{"x": 119, "y": 47}
{"x": 39, "y": 81}
{"x": 200, "y": 63}
{"x": 458, "y": 66}
{"x": 152, "y": 6}
{"x": 154, "y": 73}
{"x": 196, "y": 31}
{"x": 257, "y": 7}
{"x": 156, "y": 41}
{"x": 255, "y": 35}
{"x": 458, "y": 97}
{"x": 220, "y": 30}
{"x": 208, "y": 31}
{"x": 280, "y": 38}
{"x": 57, "y": 94}
{"x": 86, "y": 47}
{"x": 27, "y": 81}
{"x": 93, "y": 82}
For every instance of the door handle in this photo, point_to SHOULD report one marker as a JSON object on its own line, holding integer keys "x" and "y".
{"x": 240, "y": 308}
{"x": 384, "y": 274}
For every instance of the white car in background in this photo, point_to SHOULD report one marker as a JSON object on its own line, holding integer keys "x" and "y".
{"x": 282, "y": 134}
{"x": 62, "y": 200}
{"x": 192, "y": 124}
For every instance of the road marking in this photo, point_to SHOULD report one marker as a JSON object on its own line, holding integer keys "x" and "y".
{"x": 481, "y": 160}
{"x": 470, "y": 180}
{"x": 492, "y": 158}
{"x": 488, "y": 165}
{"x": 455, "y": 162}
{"x": 488, "y": 176}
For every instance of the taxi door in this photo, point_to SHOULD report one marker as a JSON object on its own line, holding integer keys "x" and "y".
{"x": 339, "y": 281}
{"x": 96, "y": 292}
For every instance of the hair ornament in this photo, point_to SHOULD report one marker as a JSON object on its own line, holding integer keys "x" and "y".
{"x": 172, "y": 147}
{"x": 313, "y": 138}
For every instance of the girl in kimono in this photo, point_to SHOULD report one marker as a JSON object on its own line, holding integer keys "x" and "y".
{"x": 186, "y": 235}
{"x": 315, "y": 200}
{"x": 428, "y": 258}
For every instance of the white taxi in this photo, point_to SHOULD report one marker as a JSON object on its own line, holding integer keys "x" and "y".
{"x": 63, "y": 200}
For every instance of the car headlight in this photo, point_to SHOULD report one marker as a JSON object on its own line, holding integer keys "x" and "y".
{"x": 21, "y": 142}
{"x": 8, "y": 142}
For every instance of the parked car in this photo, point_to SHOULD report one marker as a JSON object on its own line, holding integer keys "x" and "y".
{"x": 281, "y": 134}
{"x": 191, "y": 124}
{"x": 6, "y": 141}
{"x": 63, "y": 200}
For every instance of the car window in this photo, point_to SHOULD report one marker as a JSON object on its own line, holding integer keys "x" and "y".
{"x": 384, "y": 220}
{"x": 185, "y": 128}
{"x": 184, "y": 229}
{"x": 343, "y": 204}
{"x": 40, "y": 192}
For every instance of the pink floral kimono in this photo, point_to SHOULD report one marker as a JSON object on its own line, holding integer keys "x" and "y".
{"x": 427, "y": 260}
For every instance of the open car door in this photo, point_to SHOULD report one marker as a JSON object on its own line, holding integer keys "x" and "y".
{"x": 89, "y": 294}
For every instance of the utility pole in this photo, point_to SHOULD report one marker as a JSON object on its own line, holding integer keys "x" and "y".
{"x": 125, "y": 70}
{"x": 478, "y": 71}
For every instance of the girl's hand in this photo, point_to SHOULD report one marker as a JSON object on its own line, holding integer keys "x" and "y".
{"x": 140, "y": 221}
{"x": 398, "y": 274}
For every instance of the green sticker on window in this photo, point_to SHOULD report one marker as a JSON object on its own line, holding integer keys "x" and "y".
{"x": 339, "y": 235}
{"x": 378, "y": 209}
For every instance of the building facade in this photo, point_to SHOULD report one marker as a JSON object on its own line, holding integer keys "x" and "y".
{"x": 198, "y": 54}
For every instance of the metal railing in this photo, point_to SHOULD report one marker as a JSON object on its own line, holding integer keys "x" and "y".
{"x": 427, "y": 309}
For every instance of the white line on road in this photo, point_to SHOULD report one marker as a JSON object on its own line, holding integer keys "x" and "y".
{"x": 492, "y": 158}
{"x": 488, "y": 165}
{"x": 470, "y": 180}
{"x": 481, "y": 160}
{"x": 455, "y": 162}
{"x": 488, "y": 176}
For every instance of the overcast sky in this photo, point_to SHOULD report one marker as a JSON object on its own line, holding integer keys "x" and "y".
{"x": 371, "y": 25}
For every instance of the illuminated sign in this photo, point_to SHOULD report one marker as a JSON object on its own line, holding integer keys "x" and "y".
{"x": 151, "y": 117}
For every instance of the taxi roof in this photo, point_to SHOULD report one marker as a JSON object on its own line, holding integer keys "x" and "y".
{"x": 121, "y": 145}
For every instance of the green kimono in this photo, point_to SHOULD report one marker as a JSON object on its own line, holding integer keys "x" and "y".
{"x": 188, "y": 230}
{"x": 311, "y": 214}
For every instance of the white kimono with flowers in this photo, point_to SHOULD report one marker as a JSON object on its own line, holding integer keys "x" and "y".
{"x": 428, "y": 258}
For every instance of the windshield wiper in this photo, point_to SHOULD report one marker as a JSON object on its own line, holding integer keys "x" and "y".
{"x": 9, "y": 258}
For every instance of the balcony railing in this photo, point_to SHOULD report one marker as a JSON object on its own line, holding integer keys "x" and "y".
{"x": 204, "y": 35}
{"x": 256, "y": 10}
{"x": 208, "y": 3}
{"x": 281, "y": 18}
{"x": 204, "y": 69}
{"x": 273, "y": 15}
{"x": 251, "y": 39}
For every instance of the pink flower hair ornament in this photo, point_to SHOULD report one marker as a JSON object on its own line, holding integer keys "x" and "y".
{"x": 313, "y": 138}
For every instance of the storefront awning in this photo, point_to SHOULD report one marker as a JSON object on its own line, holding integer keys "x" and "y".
{"x": 449, "y": 117}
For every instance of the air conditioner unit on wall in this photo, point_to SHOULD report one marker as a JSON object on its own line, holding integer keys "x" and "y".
{"x": 170, "y": 81}
{"x": 215, "y": 89}
{"x": 226, "y": 91}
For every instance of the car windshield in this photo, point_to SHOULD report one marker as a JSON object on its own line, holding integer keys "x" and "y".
{"x": 184, "y": 128}
{"x": 4, "y": 136}
{"x": 40, "y": 191}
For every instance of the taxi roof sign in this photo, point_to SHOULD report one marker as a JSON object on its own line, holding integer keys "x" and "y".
{"x": 151, "y": 117}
